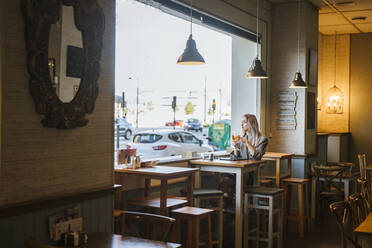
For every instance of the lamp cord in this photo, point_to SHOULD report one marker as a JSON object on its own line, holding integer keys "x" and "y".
{"x": 335, "y": 74}
{"x": 298, "y": 36}
{"x": 191, "y": 18}
{"x": 257, "y": 27}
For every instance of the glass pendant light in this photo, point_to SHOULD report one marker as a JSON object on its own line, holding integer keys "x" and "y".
{"x": 190, "y": 55}
{"x": 298, "y": 82}
{"x": 256, "y": 70}
{"x": 335, "y": 97}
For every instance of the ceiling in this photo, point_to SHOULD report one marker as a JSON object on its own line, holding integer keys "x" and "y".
{"x": 338, "y": 19}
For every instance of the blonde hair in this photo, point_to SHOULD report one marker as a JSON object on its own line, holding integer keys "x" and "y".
{"x": 255, "y": 131}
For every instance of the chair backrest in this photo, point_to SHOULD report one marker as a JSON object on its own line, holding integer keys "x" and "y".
{"x": 362, "y": 165}
{"x": 342, "y": 210}
{"x": 359, "y": 208}
{"x": 32, "y": 243}
{"x": 365, "y": 187}
{"x": 144, "y": 225}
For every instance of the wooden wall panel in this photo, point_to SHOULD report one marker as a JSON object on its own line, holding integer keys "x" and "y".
{"x": 97, "y": 217}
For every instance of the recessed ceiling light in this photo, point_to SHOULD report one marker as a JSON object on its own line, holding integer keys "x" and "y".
{"x": 345, "y": 3}
{"x": 359, "y": 18}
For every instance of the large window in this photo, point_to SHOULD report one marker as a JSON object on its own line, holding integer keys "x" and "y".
{"x": 149, "y": 39}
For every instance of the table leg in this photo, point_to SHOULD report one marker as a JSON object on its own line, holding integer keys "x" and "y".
{"x": 290, "y": 166}
{"x": 257, "y": 176}
{"x": 277, "y": 173}
{"x": 346, "y": 189}
{"x": 147, "y": 186}
{"x": 190, "y": 189}
{"x": 238, "y": 209}
{"x": 163, "y": 197}
{"x": 313, "y": 194}
{"x": 197, "y": 180}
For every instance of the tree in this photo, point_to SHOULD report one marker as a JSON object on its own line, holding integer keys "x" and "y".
{"x": 189, "y": 108}
{"x": 149, "y": 106}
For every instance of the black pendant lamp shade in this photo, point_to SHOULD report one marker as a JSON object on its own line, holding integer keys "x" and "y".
{"x": 190, "y": 55}
{"x": 298, "y": 82}
{"x": 256, "y": 70}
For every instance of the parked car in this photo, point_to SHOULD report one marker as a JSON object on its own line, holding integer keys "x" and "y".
{"x": 193, "y": 124}
{"x": 125, "y": 128}
{"x": 162, "y": 143}
{"x": 179, "y": 123}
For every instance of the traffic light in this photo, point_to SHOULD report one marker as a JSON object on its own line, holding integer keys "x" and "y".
{"x": 214, "y": 104}
{"x": 174, "y": 102}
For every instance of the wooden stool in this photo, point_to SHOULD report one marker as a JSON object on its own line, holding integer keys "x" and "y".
{"x": 266, "y": 182}
{"x": 302, "y": 185}
{"x": 192, "y": 216}
{"x": 268, "y": 200}
{"x": 206, "y": 196}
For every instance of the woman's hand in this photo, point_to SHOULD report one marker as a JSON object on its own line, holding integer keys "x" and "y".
{"x": 236, "y": 143}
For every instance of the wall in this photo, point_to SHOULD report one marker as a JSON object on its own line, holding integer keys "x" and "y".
{"x": 333, "y": 122}
{"x": 284, "y": 66}
{"x": 38, "y": 162}
{"x": 361, "y": 94}
{"x": 2, "y": 59}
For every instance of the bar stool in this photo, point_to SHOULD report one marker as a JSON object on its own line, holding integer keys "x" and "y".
{"x": 302, "y": 185}
{"x": 264, "y": 199}
{"x": 192, "y": 216}
{"x": 211, "y": 199}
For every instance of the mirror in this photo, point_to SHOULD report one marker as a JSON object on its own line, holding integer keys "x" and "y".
{"x": 65, "y": 55}
{"x": 64, "y": 43}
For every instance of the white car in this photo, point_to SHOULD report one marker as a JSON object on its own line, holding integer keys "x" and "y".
{"x": 162, "y": 143}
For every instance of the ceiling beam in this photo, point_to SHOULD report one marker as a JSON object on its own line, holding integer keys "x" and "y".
{"x": 342, "y": 15}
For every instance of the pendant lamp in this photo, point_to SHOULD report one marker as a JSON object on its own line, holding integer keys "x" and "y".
{"x": 190, "y": 55}
{"x": 256, "y": 70}
{"x": 298, "y": 82}
{"x": 335, "y": 97}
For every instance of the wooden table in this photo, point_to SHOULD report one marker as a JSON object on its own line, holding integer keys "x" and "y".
{"x": 239, "y": 168}
{"x": 162, "y": 173}
{"x": 364, "y": 231}
{"x": 107, "y": 240}
{"x": 278, "y": 157}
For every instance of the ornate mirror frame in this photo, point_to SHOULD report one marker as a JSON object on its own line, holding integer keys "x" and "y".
{"x": 39, "y": 15}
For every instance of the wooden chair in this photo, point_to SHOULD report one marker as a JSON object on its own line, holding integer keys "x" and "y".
{"x": 32, "y": 243}
{"x": 329, "y": 189}
{"x": 359, "y": 208}
{"x": 362, "y": 165}
{"x": 118, "y": 210}
{"x": 365, "y": 190}
{"x": 144, "y": 225}
{"x": 342, "y": 210}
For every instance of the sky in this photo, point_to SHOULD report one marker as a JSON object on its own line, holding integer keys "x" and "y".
{"x": 148, "y": 44}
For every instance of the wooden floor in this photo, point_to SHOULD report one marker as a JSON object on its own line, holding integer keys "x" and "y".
{"x": 324, "y": 234}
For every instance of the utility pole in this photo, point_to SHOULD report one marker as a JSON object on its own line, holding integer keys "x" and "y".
{"x": 213, "y": 108}
{"x": 124, "y": 105}
{"x": 220, "y": 97}
{"x": 205, "y": 100}
{"x": 174, "y": 105}
{"x": 137, "y": 103}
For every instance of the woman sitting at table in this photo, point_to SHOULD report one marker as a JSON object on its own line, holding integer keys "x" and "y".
{"x": 253, "y": 144}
